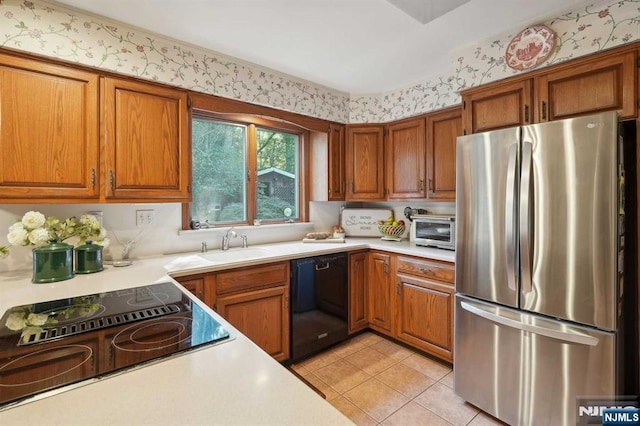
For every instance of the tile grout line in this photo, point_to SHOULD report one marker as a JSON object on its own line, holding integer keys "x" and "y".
{"x": 342, "y": 354}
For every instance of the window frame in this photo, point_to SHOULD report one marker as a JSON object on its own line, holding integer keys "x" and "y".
{"x": 252, "y": 122}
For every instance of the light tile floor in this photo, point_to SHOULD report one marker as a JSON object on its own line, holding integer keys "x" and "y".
{"x": 375, "y": 381}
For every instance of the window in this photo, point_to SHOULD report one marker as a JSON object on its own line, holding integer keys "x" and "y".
{"x": 245, "y": 170}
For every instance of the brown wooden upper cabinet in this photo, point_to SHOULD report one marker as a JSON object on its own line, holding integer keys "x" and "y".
{"x": 443, "y": 128}
{"x": 146, "y": 141}
{"x": 48, "y": 132}
{"x": 496, "y": 106}
{"x": 337, "y": 178}
{"x": 587, "y": 87}
{"x": 68, "y": 135}
{"x": 579, "y": 87}
{"x": 405, "y": 159}
{"x": 365, "y": 163}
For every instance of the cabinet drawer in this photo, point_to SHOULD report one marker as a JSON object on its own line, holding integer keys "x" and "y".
{"x": 427, "y": 269}
{"x": 252, "y": 278}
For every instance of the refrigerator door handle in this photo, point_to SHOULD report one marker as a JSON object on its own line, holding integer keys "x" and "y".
{"x": 509, "y": 217}
{"x": 570, "y": 336}
{"x": 526, "y": 205}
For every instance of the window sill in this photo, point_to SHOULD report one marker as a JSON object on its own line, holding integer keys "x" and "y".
{"x": 223, "y": 229}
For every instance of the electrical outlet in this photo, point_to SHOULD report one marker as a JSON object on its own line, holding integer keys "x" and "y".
{"x": 145, "y": 218}
{"x": 99, "y": 216}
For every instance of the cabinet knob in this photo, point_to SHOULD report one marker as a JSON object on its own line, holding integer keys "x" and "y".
{"x": 421, "y": 184}
{"x": 544, "y": 110}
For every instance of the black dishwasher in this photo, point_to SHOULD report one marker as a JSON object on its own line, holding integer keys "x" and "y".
{"x": 319, "y": 303}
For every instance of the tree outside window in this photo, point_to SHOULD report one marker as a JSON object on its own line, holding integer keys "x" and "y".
{"x": 226, "y": 190}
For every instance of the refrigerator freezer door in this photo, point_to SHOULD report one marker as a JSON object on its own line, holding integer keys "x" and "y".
{"x": 525, "y": 369}
{"x": 568, "y": 233}
{"x": 486, "y": 201}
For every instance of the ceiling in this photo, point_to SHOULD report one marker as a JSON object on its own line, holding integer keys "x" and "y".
{"x": 356, "y": 46}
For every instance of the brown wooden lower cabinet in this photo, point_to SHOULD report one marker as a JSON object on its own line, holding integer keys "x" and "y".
{"x": 358, "y": 307}
{"x": 379, "y": 291}
{"x": 25, "y": 373}
{"x": 424, "y": 296}
{"x": 404, "y": 297}
{"x": 411, "y": 299}
{"x": 254, "y": 299}
{"x": 195, "y": 284}
{"x": 424, "y": 312}
{"x": 262, "y": 316}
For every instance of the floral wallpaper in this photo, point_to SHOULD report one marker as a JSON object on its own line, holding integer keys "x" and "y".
{"x": 51, "y": 30}
{"x": 598, "y": 26}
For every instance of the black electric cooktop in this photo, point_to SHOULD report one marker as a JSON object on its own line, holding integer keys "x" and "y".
{"x": 45, "y": 346}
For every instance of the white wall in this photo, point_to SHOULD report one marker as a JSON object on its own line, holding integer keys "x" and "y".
{"x": 164, "y": 237}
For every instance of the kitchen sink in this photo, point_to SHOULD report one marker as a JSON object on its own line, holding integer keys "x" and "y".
{"x": 236, "y": 254}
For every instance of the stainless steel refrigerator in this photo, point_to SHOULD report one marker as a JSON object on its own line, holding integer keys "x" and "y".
{"x": 538, "y": 268}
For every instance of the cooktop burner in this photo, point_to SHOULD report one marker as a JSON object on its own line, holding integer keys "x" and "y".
{"x": 48, "y": 345}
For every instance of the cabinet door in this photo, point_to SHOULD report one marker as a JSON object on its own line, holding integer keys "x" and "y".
{"x": 48, "y": 131}
{"x": 194, "y": 284}
{"x": 365, "y": 163}
{"x": 262, "y": 316}
{"x": 425, "y": 315}
{"x": 358, "y": 309}
{"x": 32, "y": 369}
{"x": 337, "y": 179}
{"x": 442, "y": 130}
{"x": 379, "y": 292}
{"x": 497, "y": 107}
{"x": 146, "y": 141}
{"x": 588, "y": 87}
{"x": 405, "y": 160}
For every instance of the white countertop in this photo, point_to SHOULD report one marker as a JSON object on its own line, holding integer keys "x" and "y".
{"x": 233, "y": 382}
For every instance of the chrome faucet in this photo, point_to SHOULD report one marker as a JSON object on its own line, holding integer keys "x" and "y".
{"x": 225, "y": 240}
{"x": 204, "y": 248}
{"x": 245, "y": 244}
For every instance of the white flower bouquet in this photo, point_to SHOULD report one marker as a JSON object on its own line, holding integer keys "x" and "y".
{"x": 35, "y": 229}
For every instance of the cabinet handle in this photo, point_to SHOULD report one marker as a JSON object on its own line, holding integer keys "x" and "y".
{"x": 286, "y": 302}
{"x": 112, "y": 180}
{"x": 385, "y": 268}
{"x": 431, "y": 185}
{"x": 93, "y": 178}
{"x": 398, "y": 288}
{"x": 421, "y": 184}
{"x": 526, "y": 113}
{"x": 544, "y": 110}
